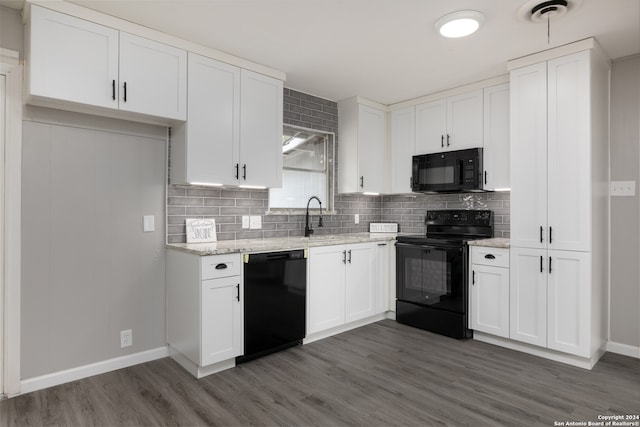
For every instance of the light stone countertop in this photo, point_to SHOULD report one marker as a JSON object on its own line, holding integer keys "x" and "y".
{"x": 278, "y": 244}
{"x": 497, "y": 242}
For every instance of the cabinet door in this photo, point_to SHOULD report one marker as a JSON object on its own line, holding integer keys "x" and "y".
{"x": 431, "y": 127}
{"x": 489, "y": 305}
{"x": 213, "y": 124}
{"x": 360, "y": 282}
{"x": 464, "y": 121}
{"x": 528, "y": 103}
{"x": 261, "y": 106}
{"x": 569, "y": 153}
{"x": 401, "y": 146}
{"x": 371, "y": 145}
{"x": 72, "y": 59}
{"x": 325, "y": 292}
{"x": 569, "y": 302}
{"x": 528, "y": 296}
{"x": 153, "y": 78}
{"x": 496, "y": 137}
{"x": 221, "y": 320}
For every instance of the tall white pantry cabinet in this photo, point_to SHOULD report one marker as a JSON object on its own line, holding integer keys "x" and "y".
{"x": 559, "y": 199}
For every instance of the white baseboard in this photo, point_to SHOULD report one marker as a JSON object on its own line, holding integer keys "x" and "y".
{"x": 342, "y": 328}
{"x": 200, "y": 371}
{"x": 73, "y": 374}
{"x": 580, "y": 362}
{"x": 624, "y": 349}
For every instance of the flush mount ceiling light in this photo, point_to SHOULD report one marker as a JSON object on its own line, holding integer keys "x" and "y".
{"x": 459, "y": 24}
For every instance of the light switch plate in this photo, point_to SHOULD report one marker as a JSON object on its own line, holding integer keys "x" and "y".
{"x": 623, "y": 188}
{"x": 148, "y": 223}
{"x": 255, "y": 222}
{"x": 356, "y": 218}
{"x": 245, "y": 221}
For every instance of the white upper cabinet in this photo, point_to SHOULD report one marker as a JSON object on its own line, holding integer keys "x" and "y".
{"x": 401, "y": 149}
{"x": 464, "y": 121}
{"x": 72, "y": 60}
{"x": 261, "y": 104}
{"x": 361, "y": 147}
{"x": 153, "y": 78}
{"x": 74, "y": 63}
{"x": 569, "y": 189}
{"x": 529, "y": 156}
{"x": 431, "y": 127}
{"x": 205, "y": 149}
{"x": 551, "y": 154}
{"x": 453, "y": 123}
{"x": 496, "y": 137}
{"x": 233, "y": 132}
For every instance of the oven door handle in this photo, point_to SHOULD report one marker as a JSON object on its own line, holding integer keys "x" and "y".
{"x": 436, "y": 247}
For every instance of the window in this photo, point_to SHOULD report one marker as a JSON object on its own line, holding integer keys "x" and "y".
{"x": 307, "y": 169}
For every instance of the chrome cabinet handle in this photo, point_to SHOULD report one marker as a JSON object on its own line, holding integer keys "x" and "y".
{"x": 550, "y": 234}
{"x": 344, "y": 257}
{"x": 540, "y": 263}
{"x": 550, "y": 269}
{"x": 238, "y": 291}
{"x": 441, "y": 141}
{"x": 349, "y": 256}
{"x": 125, "y": 91}
{"x": 473, "y": 277}
{"x": 448, "y": 140}
{"x": 540, "y": 234}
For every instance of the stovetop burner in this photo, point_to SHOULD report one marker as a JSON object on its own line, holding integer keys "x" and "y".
{"x": 453, "y": 227}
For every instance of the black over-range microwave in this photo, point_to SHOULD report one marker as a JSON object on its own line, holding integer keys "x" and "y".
{"x": 448, "y": 172}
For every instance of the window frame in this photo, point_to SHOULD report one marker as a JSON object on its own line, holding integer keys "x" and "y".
{"x": 330, "y": 150}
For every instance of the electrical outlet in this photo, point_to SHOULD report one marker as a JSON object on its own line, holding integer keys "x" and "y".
{"x": 356, "y": 218}
{"x": 255, "y": 222}
{"x": 245, "y": 221}
{"x": 126, "y": 338}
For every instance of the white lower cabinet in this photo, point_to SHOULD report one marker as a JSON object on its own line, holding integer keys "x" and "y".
{"x": 204, "y": 310}
{"x": 550, "y": 299}
{"x": 221, "y": 320}
{"x": 489, "y": 291}
{"x": 344, "y": 285}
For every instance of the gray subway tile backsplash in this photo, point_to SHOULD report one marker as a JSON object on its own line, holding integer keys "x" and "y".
{"x": 228, "y": 205}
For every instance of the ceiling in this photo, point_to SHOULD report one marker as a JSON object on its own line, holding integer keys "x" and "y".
{"x": 384, "y": 50}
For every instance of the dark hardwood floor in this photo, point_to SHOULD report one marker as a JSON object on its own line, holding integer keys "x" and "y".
{"x": 384, "y": 374}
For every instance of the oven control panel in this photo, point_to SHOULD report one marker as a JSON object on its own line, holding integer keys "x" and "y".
{"x": 459, "y": 217}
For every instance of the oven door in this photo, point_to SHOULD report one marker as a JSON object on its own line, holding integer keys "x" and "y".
{"x": 432, "y": 275}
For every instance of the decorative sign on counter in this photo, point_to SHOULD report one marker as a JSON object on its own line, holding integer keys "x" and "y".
{"x": 201, "y": 230}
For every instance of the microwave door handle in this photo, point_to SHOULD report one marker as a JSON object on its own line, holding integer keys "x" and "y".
{"x": 460, "y": 172}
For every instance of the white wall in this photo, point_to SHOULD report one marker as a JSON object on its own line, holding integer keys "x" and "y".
{"x": 625, "y": 211}
{"x": 88, "y": 270}
{"x": 11, "y": 30}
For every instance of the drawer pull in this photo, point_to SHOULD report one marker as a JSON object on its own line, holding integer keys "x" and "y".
{"x": 221, "y": 266}
{"x": 490, "y": 256}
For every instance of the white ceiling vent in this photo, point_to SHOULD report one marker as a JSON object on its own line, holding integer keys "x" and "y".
{"x": 545, "y": 11}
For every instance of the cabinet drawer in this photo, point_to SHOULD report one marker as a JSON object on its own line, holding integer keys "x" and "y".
{"x": 497, "y": 257}
{"x": 217, "y": 266}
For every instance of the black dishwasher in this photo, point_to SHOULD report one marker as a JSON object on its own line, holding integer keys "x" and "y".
{"x": 275, "y": 290}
